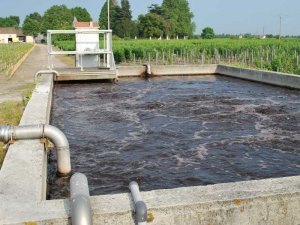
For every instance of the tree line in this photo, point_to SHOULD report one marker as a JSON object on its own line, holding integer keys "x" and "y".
{"x": 171, "y": 19}
{"x": 55, "y": 18}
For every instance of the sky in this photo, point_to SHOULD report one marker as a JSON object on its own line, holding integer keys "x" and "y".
{"x": 224, "y": 16}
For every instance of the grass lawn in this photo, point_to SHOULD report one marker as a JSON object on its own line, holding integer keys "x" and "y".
{"x": 10, "y": 113}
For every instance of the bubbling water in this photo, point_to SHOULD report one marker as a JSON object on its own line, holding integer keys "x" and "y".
{"x": 175, "y": 132}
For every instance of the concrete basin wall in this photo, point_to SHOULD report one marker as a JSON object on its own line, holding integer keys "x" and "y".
{"x": 131, "y": 71}
{"x": 261, "y": 76}
{"x": 24, "y": 173}
{"x": 266, "y": 202}
{"x": 267, "y": 77}
{"x": 175, "y": 70}
{"x": 23, "y": 176}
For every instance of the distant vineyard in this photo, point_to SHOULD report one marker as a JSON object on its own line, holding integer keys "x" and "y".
{"x": 270, "y": 54}
{"x": 10, "y": 54}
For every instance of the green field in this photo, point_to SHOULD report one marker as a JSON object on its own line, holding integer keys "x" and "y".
{"x": 269, "y": 54}
{"x": 10, "y": 54}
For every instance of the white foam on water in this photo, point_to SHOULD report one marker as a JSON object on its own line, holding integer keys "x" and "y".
{"x": 201, "y": 151}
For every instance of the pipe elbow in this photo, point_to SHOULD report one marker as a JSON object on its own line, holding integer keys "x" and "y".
{"x": 140, "y": 207}
{"x": 56, "y": 136}
{"x": 141, "y": 211}
{"x": 62, "y": 146}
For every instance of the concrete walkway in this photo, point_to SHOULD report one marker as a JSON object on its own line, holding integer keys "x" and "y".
{"x": 23, "y": 79}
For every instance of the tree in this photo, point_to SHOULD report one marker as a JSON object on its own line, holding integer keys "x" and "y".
{"x": 81, "y": 14}
{"x": 208, "y": 33}
{"x": 126, "y": 12}
{"x": 35, "y": 16}
{"x": 32, "y": 24}
{"x": 11, "y": 21}
{"x": 151, "y": 25}
{"x": 155, "y": 8}
{"x": 124, "y": 26}
{"x": 179, "y": 16}
{"x": 31, "y": 27}
{"x": 114, "y": 9}
{"x": 56, "y": 18}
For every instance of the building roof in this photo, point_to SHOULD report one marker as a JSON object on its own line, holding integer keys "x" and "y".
{"x": 11, "y": 30}
{"x": 85, "y": 24}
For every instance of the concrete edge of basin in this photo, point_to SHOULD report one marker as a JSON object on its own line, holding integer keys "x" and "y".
{"x": 175, "y": 70}
{"x": 23, "y": 175}
{"x": 261, "y": 76}
{"x": 267, "y": 201}
{"x": 131, "y": 71}
{"x": 23, "y": 190}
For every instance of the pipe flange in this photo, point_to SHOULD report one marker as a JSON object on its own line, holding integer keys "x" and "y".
{"x": 5, "y": 133}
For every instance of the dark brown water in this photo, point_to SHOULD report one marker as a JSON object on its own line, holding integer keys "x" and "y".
{"x": 176, "y": 131}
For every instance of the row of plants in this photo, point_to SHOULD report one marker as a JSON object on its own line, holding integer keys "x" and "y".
{"x": 270, "y": 54}
{"x": 10, "y": 54}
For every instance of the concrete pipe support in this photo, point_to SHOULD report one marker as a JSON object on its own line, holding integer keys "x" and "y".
{"x": 140, "y": 207}
{"x": 56, "y": 136}
{"x": 81, "y": 211}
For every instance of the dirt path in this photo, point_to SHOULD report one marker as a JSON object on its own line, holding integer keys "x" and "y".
{"x": 23, "y": 79}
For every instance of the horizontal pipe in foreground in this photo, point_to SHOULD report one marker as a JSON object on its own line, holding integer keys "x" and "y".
{"x": 56, "y": 136}
{"x": 81, "y": 211}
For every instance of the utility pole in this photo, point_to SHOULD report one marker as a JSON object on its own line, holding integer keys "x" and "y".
{"x": 108, "y": 16}
{"x": 280, "y": 27}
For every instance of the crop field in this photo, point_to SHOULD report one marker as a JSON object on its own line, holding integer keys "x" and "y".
{"x": 10, "y": 54}
{"x": 268, "y": 54}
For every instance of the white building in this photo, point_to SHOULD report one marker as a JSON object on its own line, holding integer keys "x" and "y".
{"x": 87, "y": 42}
{"x": 12, "y": 34}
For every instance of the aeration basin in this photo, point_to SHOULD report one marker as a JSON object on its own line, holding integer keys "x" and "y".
{"x": 175, "y": 132}
{"x": 207, "y": 149}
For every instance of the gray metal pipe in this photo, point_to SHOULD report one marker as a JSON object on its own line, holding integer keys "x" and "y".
{"x": 56, "y": 136}
{"x": 81, "y": 211}
{"x": 140, "y": 207}
{"x": 41, "y": 72}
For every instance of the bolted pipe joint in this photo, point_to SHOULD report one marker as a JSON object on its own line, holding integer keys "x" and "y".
{"x": 5, "y": 133}
{"x": 31, "y": 132}
{"x": 81, "y": 211}
{"x": 139, "y": 205}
